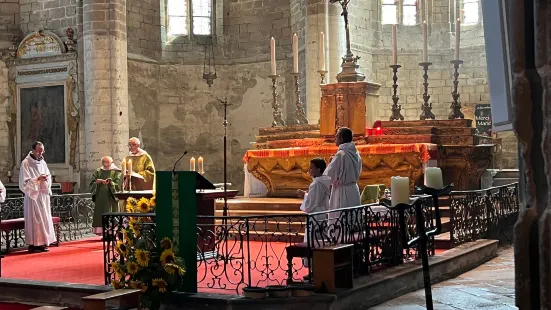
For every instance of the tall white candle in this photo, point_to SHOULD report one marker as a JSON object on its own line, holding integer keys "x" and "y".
{"x": 322, "y": 52}
{"x": 129, "y": 167}
{"x": 425, "y": 42}
{"x": 200, "y": 163}
{"x": 433, "y": 178}
{"x": 9, "y": 173}
{"x": 394, "y": 46}
{"x": 272, "y": 56}
{"x": 192, "y": 164}
{"x": 457, "y": 37}
{"x": 295, "y": 53}
{"x": 123, "y": 167}
{"x": 399, "y": 190}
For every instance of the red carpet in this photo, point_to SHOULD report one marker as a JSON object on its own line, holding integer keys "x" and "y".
{"x": 4, "y": 306}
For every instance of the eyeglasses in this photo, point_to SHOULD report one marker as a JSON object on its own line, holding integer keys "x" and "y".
{"x": 132, "y": 144}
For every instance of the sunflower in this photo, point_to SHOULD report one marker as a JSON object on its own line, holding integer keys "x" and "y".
{"x": 129, "y": 208}
{"x": 166, "y": 244}
{"x": 138, "y": 286}
{"x": 167, "y": 257}
{"x": 132, "y": 268}
{"x": 161, "y": 284}
{"x": 143, "y": 205}
{"x": 152, "y": 202}
{"x": 142, "y": 257}
{"x": 121, "y": 248}
{"x": 173, "y": 268}
{"x": 116, "y": 284}
{"x": 116, "y": 266}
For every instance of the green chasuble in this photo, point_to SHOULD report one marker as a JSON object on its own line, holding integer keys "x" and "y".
{"x": 142, "y": 165}
{"x": 103, "y": 194}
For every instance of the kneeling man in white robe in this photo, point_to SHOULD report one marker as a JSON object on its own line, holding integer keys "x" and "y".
{"x": 35, "y": 182}
{"x": 344, "y": 171}
{"x": 316, "y": 200}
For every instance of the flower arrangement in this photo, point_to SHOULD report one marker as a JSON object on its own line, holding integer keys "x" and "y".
{"x": 143, "y": 265}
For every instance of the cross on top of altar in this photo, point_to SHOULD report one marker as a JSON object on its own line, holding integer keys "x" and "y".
{"x": 349, "y": 65}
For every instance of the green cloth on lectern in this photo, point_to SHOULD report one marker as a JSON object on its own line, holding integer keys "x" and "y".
{"x": 103, "y": 195}
{"x": 371, "y": 193}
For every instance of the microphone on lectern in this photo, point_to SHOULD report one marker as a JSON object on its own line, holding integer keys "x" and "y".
{"x": 174, "y": 168}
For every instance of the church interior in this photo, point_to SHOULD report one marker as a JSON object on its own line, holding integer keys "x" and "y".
{"x": 246, "y": 93}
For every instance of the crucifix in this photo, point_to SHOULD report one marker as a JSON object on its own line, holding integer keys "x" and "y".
{"x": 349, "y": 64}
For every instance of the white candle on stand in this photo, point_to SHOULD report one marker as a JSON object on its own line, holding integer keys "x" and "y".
{"x": 272, "y": 56}
{"x": 399, "y": 190}
{"x": 433, "y": 178}
{"x": 123, "y": 170}
{"x": 425, "y": 42}
{"x": 457, "y": 37}
{"x": 130, "y": 167}
{"x": 9, "y": 173}
{"x": 200, "y": 162}
{"x": 394, "y": 46}
{"x": 192, "y": 164}
{"x": 322, "y": 52}
{"x": 295, "y": 53}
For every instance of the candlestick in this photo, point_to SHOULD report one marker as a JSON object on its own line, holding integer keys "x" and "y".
{"x": 456, "y": 103}
{"x": 9, "y": 173}
{"x": 52, "y": 173}
{"x": 399, "y": 190}
{"x": 192, "y": 164}
{"x": 396, "y": 108}
{"x": 322, "y": 53}
{"x": 433, "y": 178}
{"x": 425, "y": 42}
{"x": 200, "y": 162}
{"x": 394, "y": 46}
{"x": 272, "y": 56}
{"x": 426, "y": 107}
{"x": 322, "y": 73}
{"x": 129, "y": 166}
{"x": 278, "y": 120}
{"x": 295, "y": 53}
{"x": 123, "y": 169}
{"x": 301, "y": 115}
{"x": 457, "y": 37}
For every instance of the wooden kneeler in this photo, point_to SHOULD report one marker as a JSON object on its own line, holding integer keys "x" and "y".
{"x": 128, "y": 298}
{"x": 333, "y": 267}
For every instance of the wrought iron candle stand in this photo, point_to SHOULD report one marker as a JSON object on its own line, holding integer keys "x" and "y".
{"x": 301, "y": 115}
{"x": 396, "y": 108}
{"x": 278, "y": 120}
{"x": 322, "y": 73}
{"x": 456, "y": 104}
{"x": 422, "y": 237}
{"x": 426, "y": 107}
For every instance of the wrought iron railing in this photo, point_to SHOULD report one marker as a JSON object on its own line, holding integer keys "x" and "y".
{"x": 75, "y": 212}
{"x": 483, "y": 214}
{"x": 113, "y": 225}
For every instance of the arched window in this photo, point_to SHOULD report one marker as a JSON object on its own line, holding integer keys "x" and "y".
{"x": 409, "y": 12}
{"x": 470, "y": 12}
{"x": 389, "y": 12}
{"x": 181, "y": 18}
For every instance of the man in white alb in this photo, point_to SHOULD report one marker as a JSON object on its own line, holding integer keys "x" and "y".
{"x": 35, "y": 182}
{"x": 2, "y": 192}
{"x": 344, "y": 170}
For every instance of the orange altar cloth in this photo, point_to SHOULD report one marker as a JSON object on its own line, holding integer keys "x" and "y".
{"x": 285, "y": 170}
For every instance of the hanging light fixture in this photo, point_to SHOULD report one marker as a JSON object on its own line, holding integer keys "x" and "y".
{"x": 209, "y": 66}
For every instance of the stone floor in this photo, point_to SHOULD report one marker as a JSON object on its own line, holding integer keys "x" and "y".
{"x": 489, "y": 287}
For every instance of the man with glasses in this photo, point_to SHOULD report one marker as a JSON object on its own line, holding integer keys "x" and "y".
{"x": 35, "y": 182}
{"x": 142, "y": 164}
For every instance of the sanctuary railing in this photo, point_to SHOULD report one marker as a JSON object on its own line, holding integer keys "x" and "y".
{"x": 75, "y": 212}
{"x": 483, "y": 214}
{"x": 250, "y": 251}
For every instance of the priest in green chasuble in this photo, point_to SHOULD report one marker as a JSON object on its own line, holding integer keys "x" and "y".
{"x": 141, "y": 164}
{"x": 106, "y": 181}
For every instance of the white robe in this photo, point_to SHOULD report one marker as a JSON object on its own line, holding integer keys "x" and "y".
{"x": 317, "y": 200}
{"x": 2, "y": 192}
{"x": 39, "y": 228}
{"x": 344, "y": 170}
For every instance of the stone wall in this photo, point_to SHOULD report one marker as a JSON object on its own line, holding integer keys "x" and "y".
{"x": 168, "y": 105}
{"x": 9, "y": 21}
{"x": 52, "y": 15}
{"x": 143, "y": 21}
{"x": 4, "y": 114}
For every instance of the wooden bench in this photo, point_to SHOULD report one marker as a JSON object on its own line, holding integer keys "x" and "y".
{"x": 15, "y": 225}
{"x": 50, "y": 308}
{"x": 333, "y": 267}
{"x": 128, "y": 298}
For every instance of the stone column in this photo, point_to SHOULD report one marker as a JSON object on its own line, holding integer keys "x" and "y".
{"x": 105, "y": 81}
{"x": 336, "y": 41}
{"x": 316, "y": 21}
